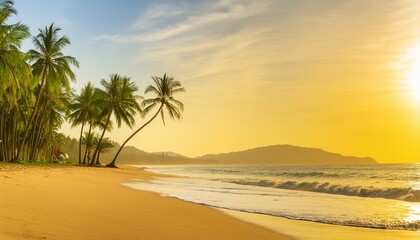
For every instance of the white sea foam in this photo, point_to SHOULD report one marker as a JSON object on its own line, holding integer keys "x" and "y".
{"x": 299, "y": 193}
{"x": 403, "y": 193}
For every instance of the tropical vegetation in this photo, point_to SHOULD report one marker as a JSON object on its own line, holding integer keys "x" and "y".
{"x": 36, "y": 98}
{"x": 163, "y": 90}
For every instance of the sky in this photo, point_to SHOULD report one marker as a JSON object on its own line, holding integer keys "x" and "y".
{"x": 343, "y": 76}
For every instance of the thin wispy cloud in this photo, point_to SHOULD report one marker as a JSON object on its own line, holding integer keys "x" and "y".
{"x": 200, "y": 37}
{"x": 193, "y": 23}
{"x": 303, "y": 68}
{"x": 162, "y": 22}
{"x": 313, "y": 60}
{"x": 295, "y": 34}
{"x": 158, "y": 14}
{"x": 228, "y": 35}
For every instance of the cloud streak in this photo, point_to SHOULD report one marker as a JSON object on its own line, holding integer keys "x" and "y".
{"x": 172, "y": 21}
{"x": 157, "y": 14}
{"x": 304, "y": 69}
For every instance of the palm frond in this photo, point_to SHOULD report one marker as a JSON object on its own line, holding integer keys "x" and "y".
{"x": 163, "y": 89}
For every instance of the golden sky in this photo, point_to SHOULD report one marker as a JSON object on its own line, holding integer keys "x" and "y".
{"x": 343, "y": 76}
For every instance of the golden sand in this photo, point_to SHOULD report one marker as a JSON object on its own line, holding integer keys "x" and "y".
{"x": 47, "y": 202}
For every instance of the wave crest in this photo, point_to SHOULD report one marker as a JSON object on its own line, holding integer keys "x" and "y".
{"x": 404, "y": 194}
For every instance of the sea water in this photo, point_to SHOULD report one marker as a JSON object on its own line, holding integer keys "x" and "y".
{"x": 374, "y": 196}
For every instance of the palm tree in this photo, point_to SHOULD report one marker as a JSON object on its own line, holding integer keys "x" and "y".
{"x": 100, "y": 123}
{"x": 83, "y": 110}
{"x": 54, "y": 108}
{"x": 105, "y": 146}
{"x": 119, "y": 99}
{"x": 89, "y": 142}
{"x": 51, "y": 65}
{"x": 164, "y": 89}
{"x": 15, "y": 75}
{"x": 13, "y": 67}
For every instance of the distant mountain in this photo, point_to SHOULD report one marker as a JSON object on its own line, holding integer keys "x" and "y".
{"x": 135, "y": 156}
{"x": 287, "y": 155}
{"x": 131, "y": 155}
{"x": 270, "y": 155}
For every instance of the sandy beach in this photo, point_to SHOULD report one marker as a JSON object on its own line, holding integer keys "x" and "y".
{"x": 66, "y": 202}
{"x": 62, "y": 202}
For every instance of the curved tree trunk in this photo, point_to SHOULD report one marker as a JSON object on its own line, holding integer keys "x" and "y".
{"x": 92, "y": 163}
{"x": 112, "y": 164}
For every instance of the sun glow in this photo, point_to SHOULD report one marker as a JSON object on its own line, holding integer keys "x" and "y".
{"x": 413, "y": 74}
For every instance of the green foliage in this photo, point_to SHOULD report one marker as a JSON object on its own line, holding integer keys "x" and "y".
{"x": 47, "y": 58}
{"x": 83, "y": 107}
{"x": 118, "y": 97}
{"x": 35, "y": 90}
{"x": 164, "y": 89}
{"x": 36, "y": 98}
{"x": 53, "y": 92}
{"x": 15, "y": 76}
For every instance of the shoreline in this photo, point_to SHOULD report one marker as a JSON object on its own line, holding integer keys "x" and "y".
{"x": 305, "y": 229}
{"x": 71, "y": 202}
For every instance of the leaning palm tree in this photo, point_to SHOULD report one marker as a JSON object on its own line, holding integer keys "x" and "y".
{"x": 51, "y": 65}
{"x": 119, "y": 99}
{"x": 83, "y": 110}
{"x": 164, "y": 89}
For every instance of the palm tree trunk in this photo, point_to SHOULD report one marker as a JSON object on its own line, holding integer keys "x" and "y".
{"x": 15, "y": 134}
{"x": 38, "y": 125}
{"x": 100, "y": 139}
{"x": 3, "y": 143}
{"x": 97, "y": 159}
{"x": 86, "y": 150}
{"x": 80, "y": 144}
{"x": 112, "y": 164}
{"x": 28, "y": 125}
{"x": 88, "y": 154}
{"x": 3, "y": 135}
{"x": 31, "y": 140}
{"x": 39, "y": 133}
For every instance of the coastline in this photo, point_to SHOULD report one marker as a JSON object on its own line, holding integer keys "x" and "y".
{"x": 69, "y": 202}
{"x": 300, "y": 229}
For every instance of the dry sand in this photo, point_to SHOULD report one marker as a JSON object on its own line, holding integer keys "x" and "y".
{"x": 47, "y": 202}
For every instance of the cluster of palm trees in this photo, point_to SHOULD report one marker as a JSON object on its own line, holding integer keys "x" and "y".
{"x": 36, "y": 98}
{"x": 117, "y": 98}
{"x": 35, "y": 88}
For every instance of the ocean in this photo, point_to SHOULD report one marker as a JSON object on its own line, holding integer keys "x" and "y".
{"x": 385, "y": 196}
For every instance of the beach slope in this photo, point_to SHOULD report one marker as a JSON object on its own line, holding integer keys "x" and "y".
{"x": 62, "y": 202}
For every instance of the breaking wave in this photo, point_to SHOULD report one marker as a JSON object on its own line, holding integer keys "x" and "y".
{"x": 404, "y": 194}
{"x": 308, "y": 174}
